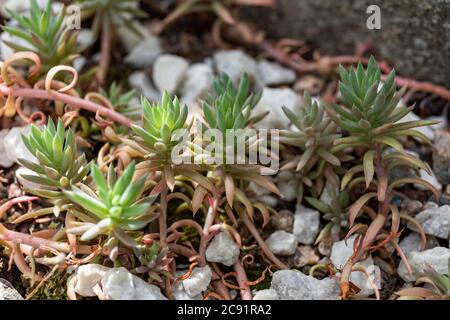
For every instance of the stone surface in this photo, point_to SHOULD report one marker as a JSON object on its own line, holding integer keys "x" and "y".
{"x": 272, "y": 100}
{"x": 130, "y": 39}
{"x": 180, "y": 293}
{"x": 303, "y": 256}
{"x": 266, "y": 294}
{"x": 284, "y": 220}
{"x": 222, "y": 249}
{"x": 196, "y": 85}
{"x": 287, "y": 183}
{"x": 14, "y": 147}
{"x": 340, "y": 253}
{"x": 306, "y": 224}
{"x": 436, "y": 258}
{"x": 282, "y": 243}
{"x": 435, "y": 221}
{"x": 441, "y": 156}
{"x": 7, "y": 292}
{"x": 168, "y": 71}
{"x": 328, "y": 191}
{"x": 412, "y": 242}
{"x": 411, "y": 207}
{"x": 88, "y": 276}
{"x": 141, "y": 82}
{"x": 120, "y": 284}
{"x": 5, "y": 161}
{"x": 144, "y": 54}
{"x": 273, "y": 73}
{"x": 198, "y": 281}
{"x": 428, "y": 178}
{"x": 234, "y": 63}
{"x": 294, "y": 285}
{"x": 413, "y": 32}
{"x": 427, "y": 131}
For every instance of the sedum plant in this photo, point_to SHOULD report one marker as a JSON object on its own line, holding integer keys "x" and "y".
{"x": 46, "y": 34}
{"x": 116, "y": 203}
{"x": 314, "y": 136}
{"x": 58, "y": 165}
{"x": 370, "y": 116}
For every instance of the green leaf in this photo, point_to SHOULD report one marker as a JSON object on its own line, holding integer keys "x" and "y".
{"x": 369, "y": 169}
{"x": 87, "y": 202}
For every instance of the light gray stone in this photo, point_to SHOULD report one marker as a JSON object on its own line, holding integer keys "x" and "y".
{"x": 120, "y": 284}
{"x": 273, "y": 73}
{"x": 198, "y": 281}
{"x": 306, "y": 224}
{"x": 283, "y": 220}
{"x": 340, "y": 253}
{"x": 222, "y": 249}
{"x": 294, "y": 285}
{"x": 428, "y": 178}
{"x": 14, "y": 146}
{"x": 435, "y": 221}
{"x": 234, "y": 63}
{"x": 287, "y": 183}
{"x": 7, "y": 292}
{"x": 141, "y": 82}
{"x": 5, "y": 161}
{"x": 437, "y": 258}
{"x": 266, "y": 294}
{"x": 412, "y": 242}
{"x": 197, "y": 83}
{"x": 168, "y": 71}
{"x": 144, "y": 54}
{"x": 441, "y": 156}
{"x": 282, "y": 243}
{"x": 272, "y": 100}
{"x": 88, "y": 276}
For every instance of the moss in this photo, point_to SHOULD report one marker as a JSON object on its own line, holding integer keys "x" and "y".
{"x": 54, "y": 288}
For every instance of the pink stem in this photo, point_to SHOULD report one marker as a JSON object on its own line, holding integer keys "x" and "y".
{"x": 242, "y": 280}
{"x": 67, "y": 99}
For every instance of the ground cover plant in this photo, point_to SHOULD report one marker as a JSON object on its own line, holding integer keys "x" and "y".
{"x": 106, "y": 177}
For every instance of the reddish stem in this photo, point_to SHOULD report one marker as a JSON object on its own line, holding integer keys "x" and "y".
{"x": 242, "y": 280}
{"x": 67, "y": 99}
{"x": 105, "y": 56}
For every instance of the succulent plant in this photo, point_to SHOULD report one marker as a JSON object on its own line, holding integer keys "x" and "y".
{"x": 230, "y": 107}
{"x": 336, "y": 213}
{"x": 160, "y": 123}
{"x": 314, "y": 136}
{"x": 122, "y": 101}
{"x": 117, "y": 204}
{"x": 46, "y": 34}
{"x": 58, "y": 166}
{"x": 371, "y": 114}
{"x": 154, "y": 261}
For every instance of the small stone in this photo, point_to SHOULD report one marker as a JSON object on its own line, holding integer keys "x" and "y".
{"x": 441, "y": 156}
{"x": 430, "y": 179}
{"x": 7, "y": 292}
{"x": 411, "y": 207}
{"x": 197, "y": 82}
{"x": 436, "y": 258}
{"x": 130, "y": 39}
{"x": 340, "y": 253}
{"x": 179, "y": 292}
{"x": 309, "y": 83}
{"x": 274, "y": 74}
{"x": 328, "y": 191}
{"x": 283, "y": 220}
{"x": 223, "y": 249}
{"x": 141, "y": 82}
{"x": 145, "y": 53}
{"x": 435, "y": 221}
{"x": 294, "y": 285}
{"x": 287, "y": 183}
{"x": 85, "y": 38}
{"x": 14, "y": 146}
{"x": 273, "y": 100}
{"x": 25, "y": 183}
{"x": 198, "y": 281}
{"x": 120, "y": 284}
{"x": 282, "y": 243}
{"x": 266, "y": 294}
{"x": 88, "y": 276}
{"x": 306, "y": 224}
{"x": 304, "y": 255}
{"x": 412, "y": 242}
{"x": 168, "y": 71}
{"x": 5, "y": 161}
{"x": 234, "y": 63}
